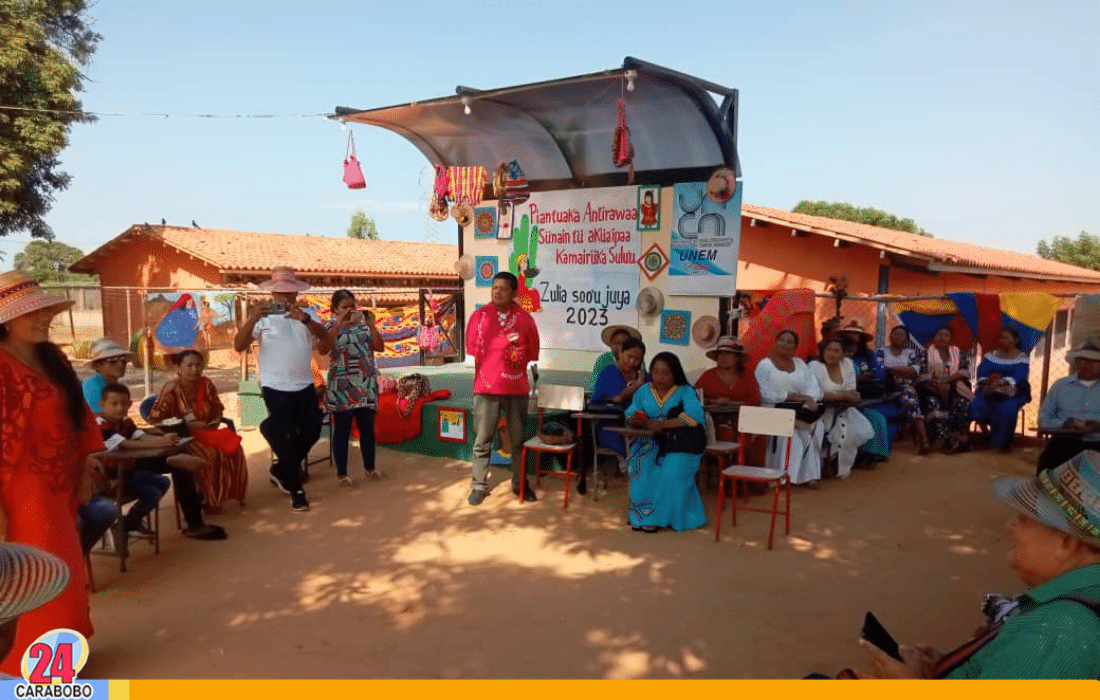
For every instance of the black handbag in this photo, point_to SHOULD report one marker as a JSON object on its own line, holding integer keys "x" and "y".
{"x": 690, "y": 440}
{"x": 801, "y": 413}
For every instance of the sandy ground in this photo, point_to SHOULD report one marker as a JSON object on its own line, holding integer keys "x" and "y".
{"x": 402, "y": 579}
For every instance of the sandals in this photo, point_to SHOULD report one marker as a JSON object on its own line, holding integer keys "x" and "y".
{"x": 376, "y": 475}
{"x": 648, "y": 529}
{"x": 346, "y": 481}
{"x": 206, "y": 532}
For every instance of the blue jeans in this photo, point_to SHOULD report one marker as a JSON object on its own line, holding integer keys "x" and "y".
{"x": 95, "y": 518}
{"x": 341, "y": 433}
{"x": 291, "y": 428}
{"x": 149, "y": 488}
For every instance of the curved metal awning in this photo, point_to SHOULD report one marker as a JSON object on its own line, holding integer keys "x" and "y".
{"x": 561, "y": 131}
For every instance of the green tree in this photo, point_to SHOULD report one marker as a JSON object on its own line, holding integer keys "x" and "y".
{"x": 42, "y": 45}
{"x": 1083, "y": 251}
{"x": 860, "y": 215}
{"x": 48, "y": 261}
{"x": 362, "y": 227}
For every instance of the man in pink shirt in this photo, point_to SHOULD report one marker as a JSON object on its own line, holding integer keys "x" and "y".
{"x": 502, "y": 338}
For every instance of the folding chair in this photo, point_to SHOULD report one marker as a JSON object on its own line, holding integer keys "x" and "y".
{"x": 773, "y": 422}
{"x": 554, "y": 397}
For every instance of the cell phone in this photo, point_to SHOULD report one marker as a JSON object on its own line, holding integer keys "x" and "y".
{"x": 278, "y": 307}
{"x": 876, "y": 634}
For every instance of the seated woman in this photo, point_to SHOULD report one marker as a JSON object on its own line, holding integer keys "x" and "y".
{"x": 194, "y": 399}
{"x": 846, "y": 429}
{"x": 782, "y": 377}
{"x": 615, "y": 387}
{"x": 871, "y": 384}
{"x": 946, "y": 393}
{"x": 1002, "y": 389}
{"x": 613, "y": 337}
{"x": 729, "y": 383}
{"x": 904, "y": 363}
{"x": 662, "y": 482}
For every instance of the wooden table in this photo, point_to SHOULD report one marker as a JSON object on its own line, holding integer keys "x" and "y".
{"x": 595, "y": 418}
{"x": 631, "y": 433}
{"x": 123, "y": 461}
{"x": 722, "y": 409}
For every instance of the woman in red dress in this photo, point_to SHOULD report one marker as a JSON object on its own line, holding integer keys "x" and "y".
{"x": 731, "y": 383}
{"x": 47, "y": 433}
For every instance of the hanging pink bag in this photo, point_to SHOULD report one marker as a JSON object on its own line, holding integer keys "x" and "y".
{"x": 353, "y": 174}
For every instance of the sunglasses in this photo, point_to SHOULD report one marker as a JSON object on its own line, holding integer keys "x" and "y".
{"x": 117, "y": 360}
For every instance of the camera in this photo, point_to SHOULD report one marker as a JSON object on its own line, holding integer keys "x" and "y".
{"x": 278, "y": 307}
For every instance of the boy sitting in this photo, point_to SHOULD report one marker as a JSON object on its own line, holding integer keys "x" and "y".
{"x": 147, "y": 481}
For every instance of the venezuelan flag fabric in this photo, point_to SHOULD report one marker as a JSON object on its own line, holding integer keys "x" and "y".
{"x": 979, "y": 317}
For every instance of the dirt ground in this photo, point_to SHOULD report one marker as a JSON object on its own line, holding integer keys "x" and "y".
{"x": 402, "y": 579}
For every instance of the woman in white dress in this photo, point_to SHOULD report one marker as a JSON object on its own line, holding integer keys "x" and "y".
{"x": 783, "y": 377}
{"x": 844, "y": 427}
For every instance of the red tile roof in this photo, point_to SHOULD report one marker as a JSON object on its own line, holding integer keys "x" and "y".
{"x": 248, "y": 251}
{"x": 935, "y": 250}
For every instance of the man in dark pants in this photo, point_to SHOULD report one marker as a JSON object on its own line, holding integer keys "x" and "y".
{"x": 1073, "y": 404}
{"x": 286, "y": 336}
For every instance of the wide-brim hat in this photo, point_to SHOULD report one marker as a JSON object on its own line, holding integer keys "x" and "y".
{"x": 854, "y": 327}
{"x": 1089, "y": 350}
{"x": 464, "y": 266}
{"x": 608, "y": 333}
{"x": 1066, "y": 498}
{"x": 29, "y": 578}
{"x": 105, "y": 349}
{"x": 283, "y": 280}
{"x": 727, "y": 343}
{"x": 705, "y": 331}
{"x": 463, "y": 213}
{"x": 651, "y": 301}
{"x": 722, "y": 185}
{"x": 20, "y": 295}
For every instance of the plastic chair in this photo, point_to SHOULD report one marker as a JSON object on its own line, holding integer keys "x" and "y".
{"x": 773, "y": 422}
{"x": 554, "y": 397}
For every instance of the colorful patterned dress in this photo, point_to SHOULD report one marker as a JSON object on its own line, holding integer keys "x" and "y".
{"x": 352, "y": 374}
{"x": 41, "y": 465}
{"x": 226, "y": 476}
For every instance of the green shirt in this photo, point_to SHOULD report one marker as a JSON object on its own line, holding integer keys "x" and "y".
{"x": 608, "y": 358}
{"x": 1044, "y": 640}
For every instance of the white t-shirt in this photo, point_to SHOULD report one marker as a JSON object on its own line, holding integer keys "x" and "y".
{"x": 286, "y": 347}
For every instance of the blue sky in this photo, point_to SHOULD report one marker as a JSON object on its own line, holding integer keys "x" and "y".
{"x": 978, "y": 120}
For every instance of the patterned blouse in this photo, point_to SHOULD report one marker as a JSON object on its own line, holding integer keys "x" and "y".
{"x": 352, "y": 375}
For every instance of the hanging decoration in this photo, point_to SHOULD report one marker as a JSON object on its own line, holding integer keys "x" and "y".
{"x": 438, "y": 208}
{"x": 353, "y": 174}
{"x": 516, "y": 189}
{"x": 622, "y": 150}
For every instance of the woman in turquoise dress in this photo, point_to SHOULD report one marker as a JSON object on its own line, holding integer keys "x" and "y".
{"x": 662, "y": 484}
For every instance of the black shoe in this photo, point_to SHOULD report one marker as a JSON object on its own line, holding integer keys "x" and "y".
{"x": 139, "y": 530}
{"x": 299, "y": 502}
{"x": 276, "y": 481}
{"x": 206, "y": 532}
{"x": 476, "y": 497}
{"x": 528, "y": 494}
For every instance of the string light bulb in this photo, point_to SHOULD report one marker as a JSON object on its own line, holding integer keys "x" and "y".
{"x": 630, "y": 76}
{"x": 466, "y": 105}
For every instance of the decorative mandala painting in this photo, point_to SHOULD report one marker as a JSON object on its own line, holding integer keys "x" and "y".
{"x": 652, "y": 261}
{"x": 485, "y": 222}
{"x": 676, "y": 327}
{"x": 485, "y": 268}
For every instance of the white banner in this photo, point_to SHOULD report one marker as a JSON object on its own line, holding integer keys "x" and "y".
{"x": 583, "y": 247}
{"x": 704, "y": 243}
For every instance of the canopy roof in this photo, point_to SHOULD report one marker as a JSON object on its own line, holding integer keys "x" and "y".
{"x": 561, "y": 131}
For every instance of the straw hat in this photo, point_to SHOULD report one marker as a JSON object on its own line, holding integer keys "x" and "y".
{"x": 650, "y": 302}
{"x": 727, "y": 343}
{"x": 464, "y": 266}
{"x": 1066, "y": 498}
{"x": 29, "y": 578}
{"x": 609, "y": 332}
{"x": 705, "y": 331}
{"x": 854, "y": 327}
{"x": 105, "y": 348}
{"x": 1088, "y": 350}
{"x": 463, "y": 213}
{"x": 722, "y": 185}
{"x": 20, "y": 295}
{"x": 283, "y": 280}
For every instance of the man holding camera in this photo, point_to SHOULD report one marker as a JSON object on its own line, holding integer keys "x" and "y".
{"x": 286, "y": 335}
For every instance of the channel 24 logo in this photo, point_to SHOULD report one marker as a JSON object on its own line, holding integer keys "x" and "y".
{"x": 51, "y": 664}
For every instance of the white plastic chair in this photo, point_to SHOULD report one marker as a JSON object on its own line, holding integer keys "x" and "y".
{"x": 772, "y": 422}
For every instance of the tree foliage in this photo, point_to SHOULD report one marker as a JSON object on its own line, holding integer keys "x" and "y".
{"x": 860, "y": 215}
{"x": 1083, "y": 251}
{"x": 43, "y": 43}
{"x": 48, "y": 261}
{"x": 362, "y": 227}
